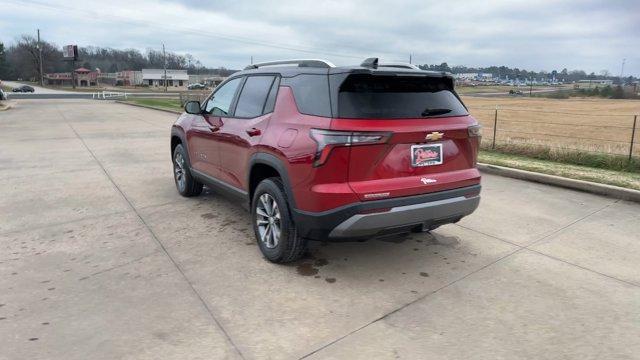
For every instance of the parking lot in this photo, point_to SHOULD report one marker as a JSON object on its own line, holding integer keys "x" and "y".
{"x": 100, "y": 258}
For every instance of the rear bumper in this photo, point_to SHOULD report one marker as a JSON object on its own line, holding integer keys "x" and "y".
{"x": 361, "y": 221}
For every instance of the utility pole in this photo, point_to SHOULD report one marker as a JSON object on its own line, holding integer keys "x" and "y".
{"x": 410, "y": 59}
{"x": 251, "y": 59}
{"x": 164, "y": 62}
{"x": 40, "y": 56}
{"x": 622, "y": 70}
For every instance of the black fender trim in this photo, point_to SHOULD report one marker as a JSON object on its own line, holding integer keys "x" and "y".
{"x": 179, "y": 132}
{"x": 276, "y": 163}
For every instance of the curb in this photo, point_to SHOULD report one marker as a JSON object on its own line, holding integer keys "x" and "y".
{"x": 149, "y": 107}
{"x": 581, "y": 185}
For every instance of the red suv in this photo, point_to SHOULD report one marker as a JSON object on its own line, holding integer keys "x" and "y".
{"x": 322, "y": 152}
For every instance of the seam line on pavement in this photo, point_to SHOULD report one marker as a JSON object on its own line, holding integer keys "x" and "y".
{"x": 517, "y": 250}
{"x": 528, "y": 247}
{"x": 162, "y": 247}
{"x": 408, "y": 304}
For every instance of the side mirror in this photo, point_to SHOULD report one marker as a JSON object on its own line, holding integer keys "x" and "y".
{"x": 193, "y": 107}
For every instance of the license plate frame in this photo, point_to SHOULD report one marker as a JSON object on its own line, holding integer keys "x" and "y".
{"x": 419, "y": 160}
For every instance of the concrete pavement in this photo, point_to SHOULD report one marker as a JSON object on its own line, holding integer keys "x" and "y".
{"x": 101, "y": 258}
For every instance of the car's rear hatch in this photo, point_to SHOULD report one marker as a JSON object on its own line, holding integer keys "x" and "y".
{"x": 426, "y": 144}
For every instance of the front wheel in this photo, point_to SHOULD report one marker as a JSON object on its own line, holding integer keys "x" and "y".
{"x": 185, "y": 183}
{"x": 272, "y": 223}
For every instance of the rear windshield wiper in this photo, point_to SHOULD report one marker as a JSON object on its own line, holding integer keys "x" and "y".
{"x": 430, "y": 112}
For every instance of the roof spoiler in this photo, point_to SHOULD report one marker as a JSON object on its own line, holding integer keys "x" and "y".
{"x": 371, "y": 63}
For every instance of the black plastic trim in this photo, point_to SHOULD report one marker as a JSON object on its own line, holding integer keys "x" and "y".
{"x": 222, "y": 187}
{"x": 274, "y": 162}
{"x": 318, "y": 225}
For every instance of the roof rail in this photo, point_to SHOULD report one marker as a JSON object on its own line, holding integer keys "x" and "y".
{"x": 300, "y": 62}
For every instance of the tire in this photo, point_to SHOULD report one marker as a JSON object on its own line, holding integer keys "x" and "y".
{"x": 286, "y": 247}
{"x": 185, "y": 183}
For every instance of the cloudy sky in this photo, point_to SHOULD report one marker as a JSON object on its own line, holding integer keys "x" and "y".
{"x": 533, "y": 35}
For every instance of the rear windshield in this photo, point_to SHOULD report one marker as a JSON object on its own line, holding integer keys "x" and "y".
{"x": 397, "y": 97}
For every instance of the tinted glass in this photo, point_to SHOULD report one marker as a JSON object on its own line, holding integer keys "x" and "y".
{"x": 253, "y": 96}
{"x": 311, "y": 93}
{"x": 394, "y": 97}
{"x": 273, "y": 94}
{"x": 220, "y": 103}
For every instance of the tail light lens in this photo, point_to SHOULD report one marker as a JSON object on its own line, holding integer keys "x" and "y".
{"x": 475, "y": 130}
{"x": 329, "y": 139}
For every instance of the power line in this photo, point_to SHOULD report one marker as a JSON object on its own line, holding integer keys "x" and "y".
{"x": 198, "y": 32}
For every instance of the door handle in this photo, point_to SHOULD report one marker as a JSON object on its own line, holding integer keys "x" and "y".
{"x": 253, "y": 132}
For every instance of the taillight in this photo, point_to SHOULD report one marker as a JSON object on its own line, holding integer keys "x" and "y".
{"x": 475, "y": 130}
{"x": 328, "y": 139}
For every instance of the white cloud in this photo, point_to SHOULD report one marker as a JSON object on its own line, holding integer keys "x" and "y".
{"x": 544, "y": 34}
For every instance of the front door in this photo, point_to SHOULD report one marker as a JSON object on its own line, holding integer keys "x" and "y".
{"x": 204, "y": 136}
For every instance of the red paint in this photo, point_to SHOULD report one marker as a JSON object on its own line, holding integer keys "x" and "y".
{"x": 222, "y": 147}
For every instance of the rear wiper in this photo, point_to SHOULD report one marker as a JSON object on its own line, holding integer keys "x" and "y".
{"x": 429, "y": 112}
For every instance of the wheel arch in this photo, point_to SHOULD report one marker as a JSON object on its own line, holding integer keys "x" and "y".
{"x": 178, "y": 137}
{"x": 265, "y": 165}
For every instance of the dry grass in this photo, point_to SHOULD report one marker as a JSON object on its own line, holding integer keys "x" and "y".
{"x": 586, "y": 125}
{"x": 629, "y": 180}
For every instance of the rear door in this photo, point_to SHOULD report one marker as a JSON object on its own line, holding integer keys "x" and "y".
{"x": 429, "y": 148}
{"x": 242, "y": 130}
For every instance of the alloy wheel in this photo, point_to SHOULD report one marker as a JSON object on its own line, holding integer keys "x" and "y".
{"x": 268, "y": 221}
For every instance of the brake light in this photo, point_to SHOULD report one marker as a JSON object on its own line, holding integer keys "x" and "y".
{"x": 475, "y": 130}
{"x": 328, "y": 139}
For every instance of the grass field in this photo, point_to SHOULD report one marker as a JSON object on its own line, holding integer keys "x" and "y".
{"x": 168, "y": 104}
{"x": 586, "y": 125}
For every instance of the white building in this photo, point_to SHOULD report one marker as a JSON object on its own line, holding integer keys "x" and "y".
{"x": 155, "y": 77}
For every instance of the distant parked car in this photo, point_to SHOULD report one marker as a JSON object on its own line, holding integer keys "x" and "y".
{"x": 23, "y": 88}
{"x": 196, "y": 86}
{"x": 515, "y": 92}
{"x": 3, "y": 96}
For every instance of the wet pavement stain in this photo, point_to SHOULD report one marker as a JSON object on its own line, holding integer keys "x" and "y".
{"x": 321, "y": 262}
{"x": 209, "y": 216}
{"x": 330, "y": 280}
{"x": 33, "y": 339}
{"x": 381, "y": 280}
{"x": 45, "y": 323}
{"x": 424, "y": 274}
{"x": 306, "y": 269}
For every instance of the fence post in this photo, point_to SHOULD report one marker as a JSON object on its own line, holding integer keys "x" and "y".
{"x": 495, "y": 128}
{"x": 633, "y": 135}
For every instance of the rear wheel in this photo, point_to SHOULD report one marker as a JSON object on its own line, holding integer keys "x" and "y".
{"x": 185, "y": 183}
{"x": 272, "y": 223}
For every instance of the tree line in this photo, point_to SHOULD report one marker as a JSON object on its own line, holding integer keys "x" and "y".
{"x": 503, "y": 72}
{"x": 21, "y": 60}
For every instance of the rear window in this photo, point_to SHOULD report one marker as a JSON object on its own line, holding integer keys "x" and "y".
{"x": 397, "y": 97}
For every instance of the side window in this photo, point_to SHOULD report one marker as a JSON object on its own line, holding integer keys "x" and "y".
{"x": 273, "y": 94}
{"x": 311, "y": 93}
{"x": 220, "y": 102}
{"x": 253, "y": 96}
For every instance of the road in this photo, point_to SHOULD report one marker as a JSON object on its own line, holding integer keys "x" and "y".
{"x": 38, "y": 89}
{"x": 100, "y": 258}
